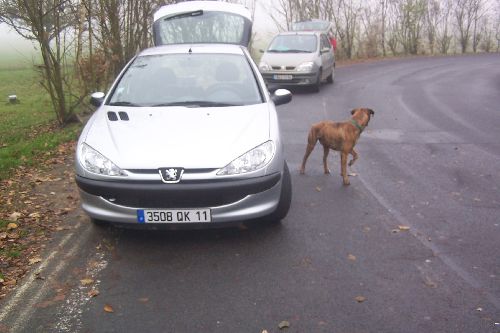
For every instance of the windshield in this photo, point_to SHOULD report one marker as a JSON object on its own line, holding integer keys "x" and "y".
{"x": 201, "y": 27}
{"x": 294, "y": 44}
{"x": 192, "y": 80}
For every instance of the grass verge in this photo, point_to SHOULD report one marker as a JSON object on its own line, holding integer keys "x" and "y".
{"x": 28, "y": 129}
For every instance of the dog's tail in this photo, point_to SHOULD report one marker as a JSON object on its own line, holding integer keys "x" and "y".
{"x": 312, "y": 138}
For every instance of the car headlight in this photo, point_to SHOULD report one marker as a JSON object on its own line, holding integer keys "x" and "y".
{"x": 94, "y": 162}
{"x": 305, "y": 67}
{"x": 253, "y": 160}
{"x": 264, "y": 67}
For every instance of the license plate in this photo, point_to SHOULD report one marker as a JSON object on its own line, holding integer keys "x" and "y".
{"x": 173, "y": 215}
{"x": 283, "y": 77}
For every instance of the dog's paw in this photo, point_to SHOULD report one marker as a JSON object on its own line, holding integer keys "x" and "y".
{"x": 327, "y": 171}
{"x": 302, "y": 171}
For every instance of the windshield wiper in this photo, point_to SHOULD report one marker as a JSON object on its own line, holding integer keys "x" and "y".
{"x": 297, "y": 51}
{"x": 123, "y": 103}
{"x": 289, "y": 51}
{"x": 188, "y": 14}
{"x": 195, "y": 104}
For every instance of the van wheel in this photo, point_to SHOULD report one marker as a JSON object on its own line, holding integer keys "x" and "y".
{"x": 329, "y": 79}
{"x": 316, "y": 86}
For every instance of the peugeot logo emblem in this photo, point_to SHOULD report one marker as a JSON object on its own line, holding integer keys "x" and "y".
{"x": 171, "y": 175}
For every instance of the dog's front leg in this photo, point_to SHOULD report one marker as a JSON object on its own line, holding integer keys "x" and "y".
{"x": 354, "y": 157}
{"x": 326, "y": 150}
{"x": 343, "y": 167}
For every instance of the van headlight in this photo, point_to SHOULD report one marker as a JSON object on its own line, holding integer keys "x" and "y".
{"x": 305, "y": 67}
{"x": 264, "y": 67}
{"x": 253, "y": 160}
{"x": 95, "y": 162}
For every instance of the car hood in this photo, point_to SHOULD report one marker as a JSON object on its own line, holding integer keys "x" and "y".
{"x": 287, "y": 59}
{"x": 185, "y": 137}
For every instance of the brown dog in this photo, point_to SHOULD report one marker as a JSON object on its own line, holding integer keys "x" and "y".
{"x": 338, "y": 136}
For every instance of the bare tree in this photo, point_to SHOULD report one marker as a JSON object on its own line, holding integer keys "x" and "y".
{"x": 443, "y": 29}
{"x": 466, "y": 15}
{"x": 345, "y": 16}
{"x": 46, "y": 22}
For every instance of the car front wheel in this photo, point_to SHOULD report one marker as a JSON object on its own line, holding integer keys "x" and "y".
{"x": 285, "y": 197}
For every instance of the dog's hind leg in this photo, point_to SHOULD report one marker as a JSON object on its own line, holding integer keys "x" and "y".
{"x": 326, "y": 150}
{"x": 312, "y": 138}
{"x": 309, "y": 149}
{"x": 354, "y": 157}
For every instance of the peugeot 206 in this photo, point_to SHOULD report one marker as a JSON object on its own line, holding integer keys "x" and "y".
{"x": 188, "y": 133}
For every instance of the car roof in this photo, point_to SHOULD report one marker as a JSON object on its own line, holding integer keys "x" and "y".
{"x": 188, "y": 6}
{"x": 193, "y": 48}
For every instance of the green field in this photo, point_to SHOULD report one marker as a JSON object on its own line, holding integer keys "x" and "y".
{"x": 28, "y": 129}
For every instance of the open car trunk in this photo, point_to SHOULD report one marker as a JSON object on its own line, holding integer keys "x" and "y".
{"x": 193, "y": 22}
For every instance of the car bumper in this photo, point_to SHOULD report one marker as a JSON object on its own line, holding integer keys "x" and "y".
{"x": 301, "y": 79}
{"x": 230, "y": 201}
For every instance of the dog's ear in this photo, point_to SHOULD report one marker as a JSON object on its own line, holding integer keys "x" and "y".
{"x": 353, "y": 110}
{"x": 370, "y": 111}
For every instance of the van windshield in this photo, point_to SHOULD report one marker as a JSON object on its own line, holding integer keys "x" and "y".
{"x": 294, "y": 44}
{"x": 201, "y": 27}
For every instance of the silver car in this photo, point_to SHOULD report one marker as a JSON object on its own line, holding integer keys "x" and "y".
{"x": 299, "y": 58}
{"x": 188, "y": 135}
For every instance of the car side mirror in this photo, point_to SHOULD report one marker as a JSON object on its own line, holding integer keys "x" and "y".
{"x": 97, "y": 98}
{"x": 325, "y": 49}
{"x": 281, "y": 96}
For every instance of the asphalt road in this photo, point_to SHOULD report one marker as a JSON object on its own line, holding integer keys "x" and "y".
{"x": 412, "y": 245}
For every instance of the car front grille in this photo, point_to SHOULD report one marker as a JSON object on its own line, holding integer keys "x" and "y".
{"x": 175, "y": 200}
{"x": 186, "y": 194}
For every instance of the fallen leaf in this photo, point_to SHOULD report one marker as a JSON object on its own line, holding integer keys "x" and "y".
{"x": 93, "y": 293}
{"x": 35, "y": 260}
{"x": 403, "y": 228}
{"x": 360, "y": 299}
{"x": 12, "y": 282}
{"x": 351, "y": 257}
{"x": 13, "y": 235}
{"x": 35, "y": 215}
{"x": 108, "y": 308}
{"x": 86, "y": 281}
{"x": 318, "y": 188}
{"x": 3, "y": 235}
{"x": 143, "y": 300}
{"x": 264, "y": 331}
{"x": 14, "y": 216}
{"x": 11, "y": 226}
{"x": 284, "y": 324}
{"x": 352, "y": 174}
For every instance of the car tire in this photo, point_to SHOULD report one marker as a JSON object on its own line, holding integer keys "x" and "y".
{"x": 98, "y": 223}
{"x": 285, "y": 197}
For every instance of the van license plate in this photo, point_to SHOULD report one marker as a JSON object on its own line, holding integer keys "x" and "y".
{"x": 283, "y": 77}
{"x": 173, "y": 215}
